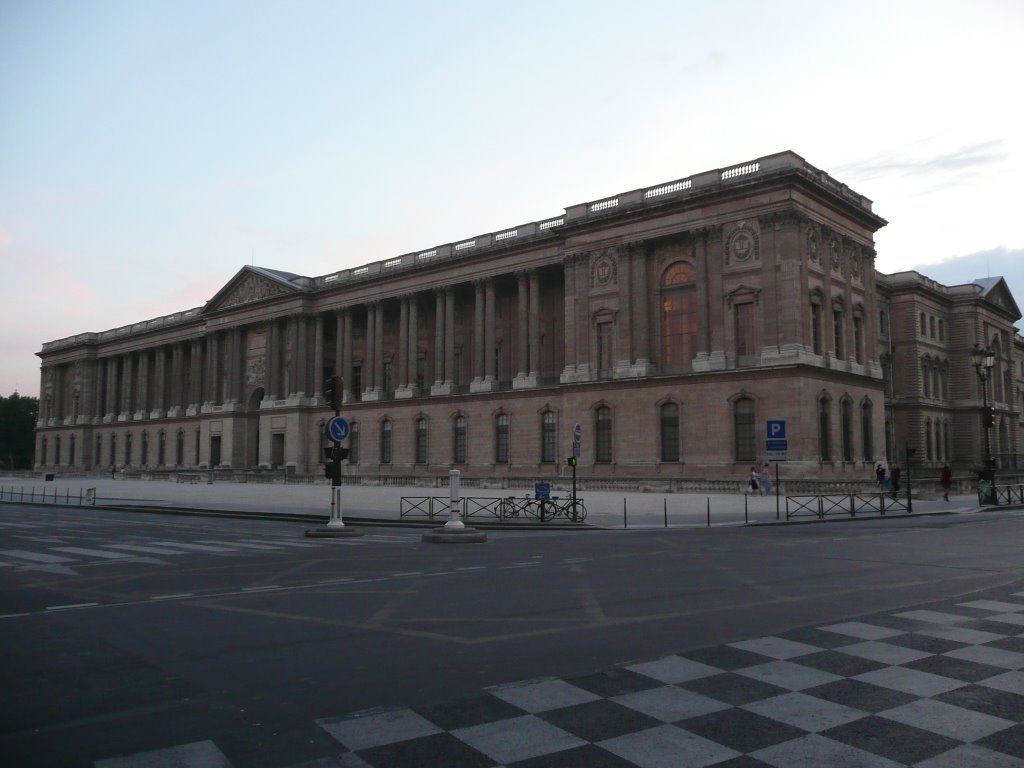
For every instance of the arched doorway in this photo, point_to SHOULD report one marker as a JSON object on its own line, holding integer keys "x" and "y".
{"x": 252, "y": 429}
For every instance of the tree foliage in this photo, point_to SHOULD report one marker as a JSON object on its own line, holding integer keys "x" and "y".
{"x": 18, "y": 416}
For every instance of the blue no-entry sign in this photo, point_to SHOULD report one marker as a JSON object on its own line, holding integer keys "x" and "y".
{"x": 337, "y": 428}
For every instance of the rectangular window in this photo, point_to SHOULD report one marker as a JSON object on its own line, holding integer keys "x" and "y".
{"x": 744, "y": 430}
{"x": 421, "y": 375}
{"x": 460, "y": 440}
{"x": 670, "y": 432}
{"x": 837, "y": 332}
{"x": 816, "y": 328}
{"x": 604, "y": 350}
{"x": 385, "y": 442}
{"x": 421, "y": 441}
{"x": 389, "y": 385}
{"x": 744, "y": 315}
{"x": 501, "y": 439}
{"x": 547, "y": 440}
{"x": 353, "y": 444}
{"x": 858, "y": 339}
{"x": 603, "y": 435}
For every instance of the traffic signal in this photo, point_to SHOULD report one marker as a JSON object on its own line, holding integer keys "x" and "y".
{"x": 342, "y": 454}
{"x": 989, "y": 417}
{"x": 571, "y": 461}
{"x": 332, "y": 471}
{"x": 332, "y": 391}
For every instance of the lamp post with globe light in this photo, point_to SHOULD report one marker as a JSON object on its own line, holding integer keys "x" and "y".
{"x": 984, "y": 359}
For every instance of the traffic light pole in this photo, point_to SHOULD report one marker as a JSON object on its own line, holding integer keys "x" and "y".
{"x": 335, "y": 525}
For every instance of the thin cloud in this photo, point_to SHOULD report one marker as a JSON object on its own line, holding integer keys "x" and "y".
{"x": 964, "y": 159}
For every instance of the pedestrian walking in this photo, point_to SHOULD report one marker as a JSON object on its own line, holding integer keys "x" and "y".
{"x": 880, "y": 474}
{"x": 766, "y": 480}
{"x": 752, "y": 484}
{"x": 946, "y": 479}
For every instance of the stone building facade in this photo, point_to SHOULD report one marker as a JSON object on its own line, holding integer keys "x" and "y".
{"x": 670, "y": 322}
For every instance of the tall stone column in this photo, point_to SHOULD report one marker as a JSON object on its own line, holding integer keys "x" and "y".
{"x": 273, "y": 345}
{"x": 369, "y": 364}
{"x": 483, "y": 337}
{"x": 346, "y": 360}
{"x": 127, "y": 382}
{"x": 403, "y": 390}
{"x": 478, "y": 333}
{"x": 438, "y": 344}
{"x": 301, "y": 356}
{"x": 490, "y": 340}
{"x": 414, "y": 331}
{"x": 195, "y": 378}
{"x": 378, "y": 351}
{"x": 522, "y": 343}
{"x": 236, "y": 366}
{"x": 110, "y": 391}
{"x": 98, "y": 392}
{"x": 571, "y": 371}
{"x": 449, "y": 339}
{"x": 176, "y": 399}
{"x": 624, "y": 326}
{"x": 158, "y": 408}
{"x": 641, "y": 314}
{"x": 290, "y": 367}
{"x": 142, "y": 403}
{"x": 535, "y": 326}
{"x": 318, "y": 357}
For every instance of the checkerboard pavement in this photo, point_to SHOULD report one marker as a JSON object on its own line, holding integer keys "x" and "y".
{"x": 933, "y": 687}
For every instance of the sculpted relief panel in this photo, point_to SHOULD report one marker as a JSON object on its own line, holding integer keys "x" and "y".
{"x": 252, "y": 288}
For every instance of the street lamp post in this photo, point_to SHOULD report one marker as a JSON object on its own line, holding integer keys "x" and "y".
{"x": 983, "y": 360}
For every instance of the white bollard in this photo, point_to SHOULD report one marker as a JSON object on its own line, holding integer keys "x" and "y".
{"x": 453, "y": 512}
{"x": 335, "y": 521}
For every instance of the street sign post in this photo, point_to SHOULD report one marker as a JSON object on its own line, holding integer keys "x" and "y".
{"x": 776, "y": 444}
{"x": 337, "y": 429}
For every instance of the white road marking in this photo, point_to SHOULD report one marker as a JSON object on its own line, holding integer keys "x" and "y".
{"x": 35, "y": 557}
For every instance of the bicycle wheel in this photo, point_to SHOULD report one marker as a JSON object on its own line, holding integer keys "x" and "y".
{"x": 506, "y": 508}
{"x": 577, "y": 511}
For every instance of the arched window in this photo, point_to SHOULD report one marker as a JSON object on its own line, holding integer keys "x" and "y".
{"x": 161, "y": 451}
{"x": 128, "y": 449}
{"x": 744, "y": 432}
{"x": 678, "y": 315}
{"x": 98, "y": 456}
{"x": 603, "y": 434}
{"x": 846, "y": 423}
{"x": 353, "y": 443}
{"x": 145, "y": 449}
{"x": 459, "y": 436}
{"x": 928, "y": 439}
{"x": 71, "y": 451}
{"x": 926, "y": 378}
{"x": 866, "y": 433}
{"x": 947, "y": 452}
{"x": 179, "y": 448}
{"x": 56, "y": 451}
{"x": 113, "y": 449}
{"x": 501, "y": 424}
{"x": 669, "y": 432}
{"x": 44, "y": 445}
{"x": 421, "y": 440}
{"x": 824, "y": 428}
{"x": 385, "y": 442}
{"x": 924, "y": 324}
{"x": 547, "y": 436}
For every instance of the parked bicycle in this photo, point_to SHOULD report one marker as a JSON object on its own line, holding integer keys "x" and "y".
{"x": 542, "y": 509}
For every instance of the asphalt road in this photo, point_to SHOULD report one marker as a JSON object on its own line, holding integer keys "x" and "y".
{"x": 126, "y": 633}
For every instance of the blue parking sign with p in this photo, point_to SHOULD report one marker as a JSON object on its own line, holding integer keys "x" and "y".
{"x": 776, "y": 429}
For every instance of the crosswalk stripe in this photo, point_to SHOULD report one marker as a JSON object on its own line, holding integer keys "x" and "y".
{"x": 91, "y": 552}
{"x": 242, "y": 544}
{"x": 147, "y": 550}
{"x": 35, "y": 557}
{"x": 193, "y": 547}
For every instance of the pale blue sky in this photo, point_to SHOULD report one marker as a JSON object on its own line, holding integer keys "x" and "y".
{"x": 149, "y": 150}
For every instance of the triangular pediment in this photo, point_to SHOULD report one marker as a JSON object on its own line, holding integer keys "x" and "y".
{"x": 997, "y": 292}
{"x": 251, "y": 285}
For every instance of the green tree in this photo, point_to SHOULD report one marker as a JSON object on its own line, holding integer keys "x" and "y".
{"x": 18, "y": 416}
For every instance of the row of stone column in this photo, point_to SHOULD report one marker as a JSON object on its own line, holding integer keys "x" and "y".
{"x": 190, "y": 375}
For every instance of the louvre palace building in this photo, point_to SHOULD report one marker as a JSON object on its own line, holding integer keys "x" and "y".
{"x": 671, "y": 323}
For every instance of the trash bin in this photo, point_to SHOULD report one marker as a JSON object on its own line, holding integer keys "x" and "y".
{"x": 986, "y": 492}
{"x": 49, "y": 477}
